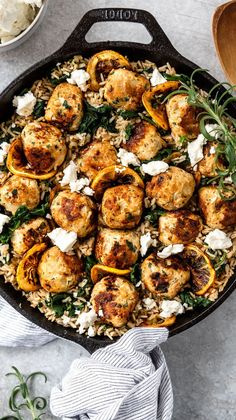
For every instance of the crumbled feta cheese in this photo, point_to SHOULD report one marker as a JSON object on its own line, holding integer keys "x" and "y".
{"x": 217, "y": 239}
{"x": 62, "y": 239}
{"x": 195, "y": 149}
{"x": 79, "y": 184}
{"x": 145, "y": 242}
{"x": 86, "y": 319}
{"x": 3, "y": 220}
{"x": 157, "y": 78}
{"x": 79, "y": 78}
{"x": 65, "y": 319}
{"x": 70, "y": 174}
{"x": 212, "y": 150}
{"x": 100, "y": 313}
{"x": 4, "y": 149}
{"x": 48, "y": 216}
{"x": 228, "y": 180}
{"x": 155, "y": 167}
{"x": 4, "y": 253}
{"x": 91, "y": 331}
{"x": 88, "y": 191}
{"x": 170, "y": 250}
{"x": 25, "y": 104}
{"x": 127, "y": 158}
{"x": 149, "y": 303}
{"x": 171, "y": 307}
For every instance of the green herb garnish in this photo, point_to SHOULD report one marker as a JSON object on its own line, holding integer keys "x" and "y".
{"x": 127, "y": 114}
{"x": 66, "y": 105}
{"x": 131, "y": 246}
{"x": 128, "y": 131}
{"x": 153, "y": 215}
{"x": 39, "y": 108}
{"x": 194, "y": 302}
{"x": 64, "y": 302}
{"x": 135, "y": 275}
{"x": 95, "y": 118}
{"x": 54, "y": 81}
{"x": 214, "y": 106}
{"x": 23, "y": 214}
{"x": 90, "y": 261}
{"x": 33, "y": 405}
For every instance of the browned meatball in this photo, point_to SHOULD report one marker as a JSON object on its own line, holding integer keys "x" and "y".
{"x": 117, "y": 248}
{"x": 208, "y": 165}
{"x": 59, "y": 272}
{"x": 97, "y": 156}
{"x": 65, "y": 106}
{"x": 122, "y": 206}
{"x": 43, "y": 145}
{"x": 218, "y": 213}
{"x": 145, "y": 141}
{"x": 171, "y": 189}
{"x": 182, "y": 118}
{"x": 179, "y": 227}
{"x": 18, "y": 191}
{"x": 29, "y": 234}
{"x": 116, "y": 297}
{"x": 124, "y": 89}
{"x": 164, "y": 277}
{"x": 74, "y": 212}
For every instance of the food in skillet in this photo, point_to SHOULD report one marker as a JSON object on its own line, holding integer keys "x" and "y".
{"x": 117, "y": 195}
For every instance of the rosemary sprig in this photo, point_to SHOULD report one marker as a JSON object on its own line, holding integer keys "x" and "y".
{"x": 34, "y": 405}
{"x": 214, "y": 109}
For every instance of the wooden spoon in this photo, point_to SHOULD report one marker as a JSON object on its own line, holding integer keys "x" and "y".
{"x": 224, "y": 33}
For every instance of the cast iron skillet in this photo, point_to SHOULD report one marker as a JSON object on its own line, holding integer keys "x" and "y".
{"x": 160, "y": 50}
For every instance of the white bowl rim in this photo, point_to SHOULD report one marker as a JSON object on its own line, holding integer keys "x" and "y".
{"x": 28, "y": 29}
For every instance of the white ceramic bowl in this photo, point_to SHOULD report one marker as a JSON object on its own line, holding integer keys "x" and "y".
{"x": 23, "y": 36}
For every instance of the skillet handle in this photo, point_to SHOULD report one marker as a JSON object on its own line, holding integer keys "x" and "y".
{"x": 77, "y": 39}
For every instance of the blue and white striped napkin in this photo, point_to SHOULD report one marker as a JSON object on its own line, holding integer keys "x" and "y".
{"x": 128, "y": 380}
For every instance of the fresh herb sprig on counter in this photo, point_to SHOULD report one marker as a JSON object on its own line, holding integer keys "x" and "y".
{"x": 23, "y": 214}
{"x": 214, "y": 109}
{"x": 97, "y": 117}
{"x": 34, "y": 406}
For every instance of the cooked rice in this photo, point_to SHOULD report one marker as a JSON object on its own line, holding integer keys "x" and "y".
{"x": 40, "y": 299}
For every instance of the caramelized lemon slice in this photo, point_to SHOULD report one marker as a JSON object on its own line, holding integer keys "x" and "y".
{"x": 98, "y": 271}
{"x": 158, "y": 113}
{"x": 163, "y": 323}
{"x": 17, "y": 164}
{"x": 26, "y": 274}
{"x": 107, "y": 176}
{"x": 202, "y": 272}
{"x": 104, "y": 62}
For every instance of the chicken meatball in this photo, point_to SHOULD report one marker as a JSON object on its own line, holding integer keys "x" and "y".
{"x": 218, "y": 213}
{"x": 145, "y": 141}
{"x": 179, "y": 227}
{"x": 74, "y": 212}
{"x": 19, "y": 191}
{"x": 171, "y": 189}
{"x": 124, "y": 89}
{"x": 117, "y": 248}
{"x": 164, "y": 277}
{"x": 43, "y": 145}
{"x": 182, "y": 118}
{"x": 122, "y": 206}
{"x": 59, "y": 272}
{"x": 97, "y": 156}
{"x": 65, "y": 106}
{"x": 116, "y": 297}
{"x": 29, "y": 234}
{"x": 208, "y": 165}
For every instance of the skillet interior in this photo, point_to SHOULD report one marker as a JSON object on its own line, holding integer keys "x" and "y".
{"x": 160, "y": 50}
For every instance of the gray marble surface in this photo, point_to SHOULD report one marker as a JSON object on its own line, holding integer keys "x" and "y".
{"x": 201, "y": 360}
